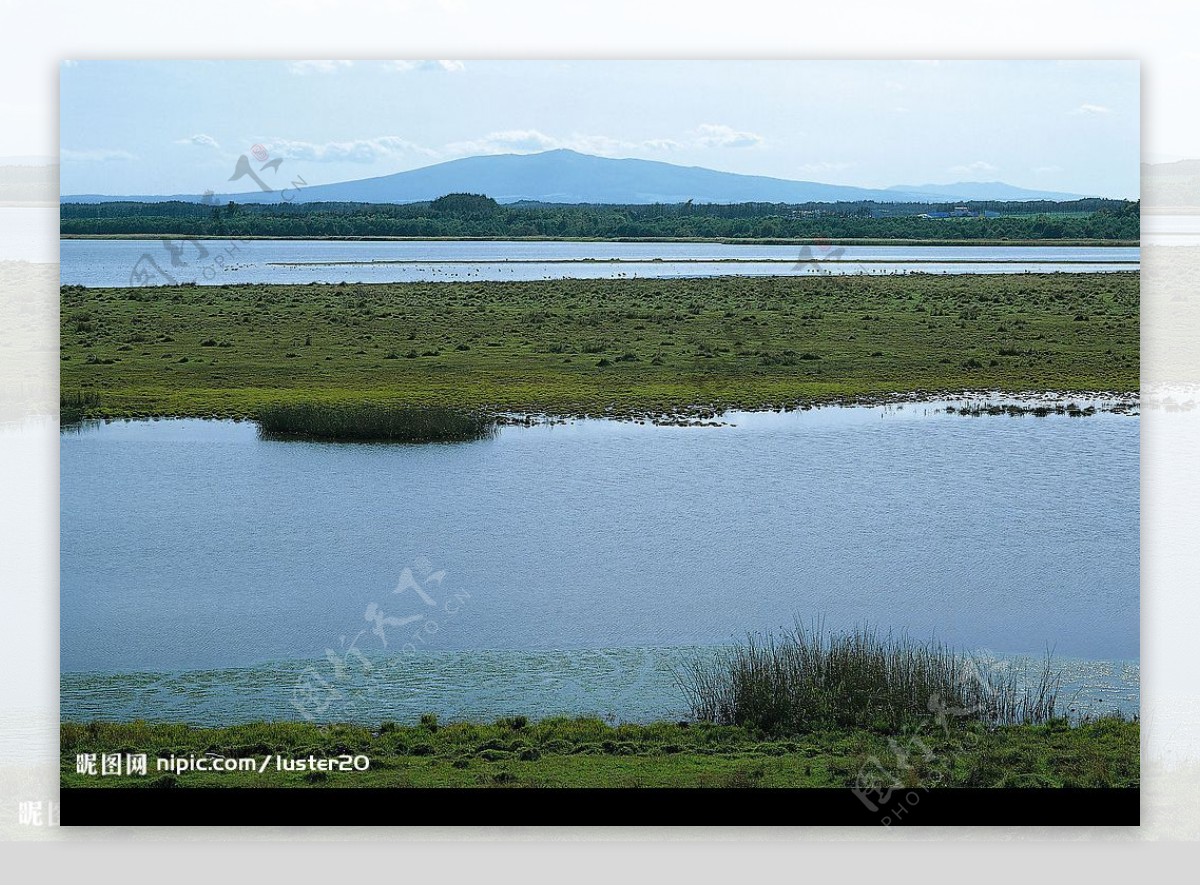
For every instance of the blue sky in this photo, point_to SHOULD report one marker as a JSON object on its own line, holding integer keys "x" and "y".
{"x": 162, "y": 127}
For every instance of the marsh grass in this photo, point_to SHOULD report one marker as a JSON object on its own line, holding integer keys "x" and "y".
{"x": 810, "y": 679}
{"x": 73, "y": 406}
{"x": 714, "y": 343}
{"x": 368, "y": 422}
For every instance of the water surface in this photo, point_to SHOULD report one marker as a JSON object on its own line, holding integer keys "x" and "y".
{"x": 193, "y": 547}
{"x": 216, "y": 262}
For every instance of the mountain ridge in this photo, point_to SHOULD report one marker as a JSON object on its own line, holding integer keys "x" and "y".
{"x": 565, "y": 176}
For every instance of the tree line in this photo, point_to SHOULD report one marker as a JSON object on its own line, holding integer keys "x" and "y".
{"x": 474, "y": 215}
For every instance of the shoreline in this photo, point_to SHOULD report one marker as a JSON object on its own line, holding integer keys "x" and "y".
{"x": 697, "y": 261}
{"x": 643, "y": 691}
{"x": 1075, "y": 404}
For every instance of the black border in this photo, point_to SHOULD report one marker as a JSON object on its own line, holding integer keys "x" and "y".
{"x": 360, "y": 807}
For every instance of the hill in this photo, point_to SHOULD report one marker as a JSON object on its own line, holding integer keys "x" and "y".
{"x": 564, "y": 176}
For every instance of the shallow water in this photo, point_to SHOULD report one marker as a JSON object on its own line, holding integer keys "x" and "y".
{"x": 634, "y": 685}
{"x": 536, "y": 560}
{"x": 215, "y": 262}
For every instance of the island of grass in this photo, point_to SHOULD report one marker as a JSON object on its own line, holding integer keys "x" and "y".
{"x": 620, "y": 348}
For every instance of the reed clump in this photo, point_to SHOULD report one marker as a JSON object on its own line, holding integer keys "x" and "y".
{"x": 373, "y": 423}
{"x": 73, "y": 406}
{"x": 808, "y": 679}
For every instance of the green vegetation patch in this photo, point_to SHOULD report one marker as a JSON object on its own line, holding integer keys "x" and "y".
{"x": 475, "y": 215}
{"x": 372, "y": 423}
{"x": 599, "y": 347}
{"x": 808, "y": 678}
{"x": 584, "y": 752}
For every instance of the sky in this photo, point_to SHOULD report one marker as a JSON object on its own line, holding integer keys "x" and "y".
{"x": 178, "y": 127}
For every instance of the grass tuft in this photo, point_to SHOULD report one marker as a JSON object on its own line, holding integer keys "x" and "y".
{"x": 73, "y": 406}
{"x": 808, "y": 679}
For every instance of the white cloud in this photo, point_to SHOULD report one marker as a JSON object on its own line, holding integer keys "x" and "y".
{"x": 204, "y": 141}
{"x": 663, "y": 144}
{"x": 368, "y": 150}
{"x": 509, "y": 141}
{"x": 528, "y": 141}
{"x": 979, "y": 167}
{"x": 718, "y": 135}
{"x": 1047, "y": 170}
{"x": 444, "y": 64}
{"x": 1088, "y": 109}
{"x": 318, "y": 66}
{"x": 94, "y": 155}
{"x": 603, "y": 145}
{"x": 531, "y": 141}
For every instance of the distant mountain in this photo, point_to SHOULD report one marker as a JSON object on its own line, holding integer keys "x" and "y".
{"x": 1171, "y": 187}
{"x": 980, "y": 191}
{"x": 564, "y": 176}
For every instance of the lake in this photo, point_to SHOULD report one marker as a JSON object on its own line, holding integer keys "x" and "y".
{"x": 215, "y": 262}
{"x": 207, "y": 573}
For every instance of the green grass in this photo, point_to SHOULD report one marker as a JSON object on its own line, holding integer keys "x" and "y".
{"x": 602, "y": 347}
{"x": 590, "y": 753}
{"x": 808, "y": 679}
{"x": 808, "y": 709}
{"x": 74, "y": 405}
{"x": 372, "y": 423}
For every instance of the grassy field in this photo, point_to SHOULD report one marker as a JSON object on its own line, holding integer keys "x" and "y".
{"x": 590, "y": 753}
{"x": 615, "y": 347}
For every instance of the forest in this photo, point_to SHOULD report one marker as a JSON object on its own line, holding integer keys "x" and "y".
{"x": 478, "y": 216}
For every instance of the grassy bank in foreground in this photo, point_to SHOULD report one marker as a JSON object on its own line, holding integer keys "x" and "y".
{"x": 590, "y": 753}
{"x": 616, "y": 347}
